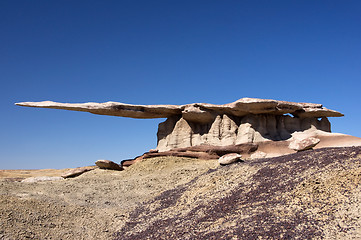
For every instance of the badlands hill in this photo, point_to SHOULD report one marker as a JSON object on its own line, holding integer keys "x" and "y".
{"x": 314, "y": 194}
{"x": 247, "y": 120}
{"x": 180, "y": 191}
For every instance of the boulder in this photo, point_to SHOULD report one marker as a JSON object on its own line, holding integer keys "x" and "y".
{"x": 107, "y": 164}
{"x": 77, "y": 171}
{"x": 304, "y": 144}
{"x": 229, "y": 158}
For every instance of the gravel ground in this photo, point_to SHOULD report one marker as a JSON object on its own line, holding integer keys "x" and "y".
{"x": 91, "y": 206}
{"x": 309, "y": 195}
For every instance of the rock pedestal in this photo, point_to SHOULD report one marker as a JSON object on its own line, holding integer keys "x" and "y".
{"x": 247, "y": 120}
{"x": 224, "y": 130}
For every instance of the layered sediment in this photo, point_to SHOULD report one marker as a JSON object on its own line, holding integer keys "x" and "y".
{"x": 177, "y": 132}
{"x": 247, "y": 120}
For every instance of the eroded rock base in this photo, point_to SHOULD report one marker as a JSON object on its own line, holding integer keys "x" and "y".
{"x": 224, "y": 130}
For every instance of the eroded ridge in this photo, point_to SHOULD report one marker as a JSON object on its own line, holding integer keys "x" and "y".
{"x": 246, "y": 120}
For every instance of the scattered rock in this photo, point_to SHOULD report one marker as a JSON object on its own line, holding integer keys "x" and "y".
{"x": 310, "y": 195}
{"x": 205, "y": 152}
{"x": 229, "y": 158}
{"x": 221, "y": 150}
{"x": 258, "y": 154}
{"x": 303, "y": 144}
{"x": 77, "y": 171}
{"x": 107, "y": 164}
{"x": 41, "y": 179}
{"x": 129, "y": 162}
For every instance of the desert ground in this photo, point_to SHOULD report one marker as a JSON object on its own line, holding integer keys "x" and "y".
{"x": 314, "y": 194}
{"x": 92, "y": 206}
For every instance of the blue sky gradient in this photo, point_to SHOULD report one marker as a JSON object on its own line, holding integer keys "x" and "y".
{"x": 163, "y": 52}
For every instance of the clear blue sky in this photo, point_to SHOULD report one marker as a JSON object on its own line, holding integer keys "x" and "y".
{"x": 163, "y": 52}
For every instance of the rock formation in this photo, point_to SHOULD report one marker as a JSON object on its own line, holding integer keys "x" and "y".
{"x": 77, "y": 171}
{"x": 41, "y": 179}
{"x": 304, "y": 144}
{"x": 107, "y": 164}
{"x": 229, "y": 158}
{"x": 247, "y": 120}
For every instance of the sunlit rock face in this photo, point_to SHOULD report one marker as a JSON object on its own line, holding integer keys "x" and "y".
{"x": 247, "y": 120}
{"x": 176, "y": 132}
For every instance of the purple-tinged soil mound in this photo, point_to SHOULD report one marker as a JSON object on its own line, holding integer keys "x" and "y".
{"x": 314, "y": 194}
{"x": 308, "y": 195}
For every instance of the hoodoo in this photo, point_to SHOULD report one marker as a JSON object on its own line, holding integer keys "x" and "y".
{"x": 247, "y": 120}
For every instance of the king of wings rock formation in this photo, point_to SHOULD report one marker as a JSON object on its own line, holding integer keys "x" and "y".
{"x": 247, "y": 120}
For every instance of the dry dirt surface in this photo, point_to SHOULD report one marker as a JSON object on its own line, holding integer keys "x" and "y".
{"x": 18, "y": 175}
{"x": 315, "y": 194}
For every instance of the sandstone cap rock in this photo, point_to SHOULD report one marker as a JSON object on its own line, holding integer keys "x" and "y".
{"x": 196, "y": 112}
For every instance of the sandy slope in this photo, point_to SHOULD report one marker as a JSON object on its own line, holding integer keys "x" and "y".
{"x": 91, "y": 206}
{"x": 278, "y": 148}
{"x": 314, "y": 194}
{"x": 309, "y": 195}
